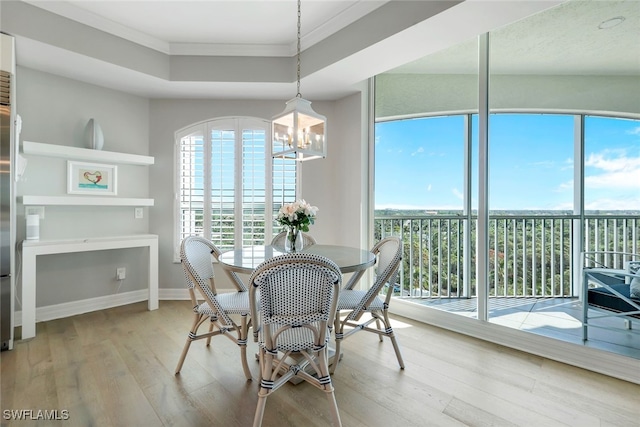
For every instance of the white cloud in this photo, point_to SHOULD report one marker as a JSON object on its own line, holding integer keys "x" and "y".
{"x": 634, "y": 131}
{"x": 606, "y": 204}
{"x": 600, "y": 161}
{"x": 429, "y": 187}
{"x": 418, "y": 151}
{"x": 612, "y": 172}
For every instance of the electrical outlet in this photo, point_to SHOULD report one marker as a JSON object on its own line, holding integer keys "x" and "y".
{"x": 121, "y": 273}
{"x": 138, "y": 213}
{"x": 34, "y": 210}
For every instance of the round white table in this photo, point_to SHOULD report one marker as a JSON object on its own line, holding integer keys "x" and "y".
{"x": 348, "y": 259}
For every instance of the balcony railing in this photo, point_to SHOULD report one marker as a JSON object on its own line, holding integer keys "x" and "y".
{"x": 530, "y": 255}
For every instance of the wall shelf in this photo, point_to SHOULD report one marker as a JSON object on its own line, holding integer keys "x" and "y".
{"x": 75, "y": 153}
{"x": 84, "y": 201}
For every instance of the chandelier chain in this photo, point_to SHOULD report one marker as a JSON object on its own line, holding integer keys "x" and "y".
{"x": 299, "y": 95}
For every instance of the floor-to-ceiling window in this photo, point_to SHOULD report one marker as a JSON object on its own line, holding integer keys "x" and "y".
{"x": 554, "y": 107}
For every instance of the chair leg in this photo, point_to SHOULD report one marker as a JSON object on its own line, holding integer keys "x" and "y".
{"x": 242, "y": 342}
{"x": 379, "y": 328}
{"x": 394, "y": 341}
{"x": 266, "y": 371}
{"x": 397, "y": 350}
{"x": 184, "y": 354}
{"x": 210, "y": 330}
{"x": 335, "y": 414}
{"x": 337, "y": 328}
{"x": 584, "y": 331}
{"x": 323, "y": 365}
{"x": 262, "y": 402}
{"x": 197, "y": 321}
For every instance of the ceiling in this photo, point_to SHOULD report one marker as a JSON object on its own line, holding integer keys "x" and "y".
{"x": 343, "y": 42}
{"x": 564, "y": 40}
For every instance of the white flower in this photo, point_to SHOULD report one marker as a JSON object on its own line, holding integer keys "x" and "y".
{"x": 297, "y": 214}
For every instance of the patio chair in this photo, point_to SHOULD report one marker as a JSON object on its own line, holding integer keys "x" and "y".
{"x": 357, "y": 302}
{"x": 196, "y": 257}
{"x": 297, "y": 303}
{"x": 278, "y": 239}
{"x": 609, "y": 280}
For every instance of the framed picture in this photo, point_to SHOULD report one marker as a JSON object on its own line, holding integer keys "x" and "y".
{"x": 92, "y": 178}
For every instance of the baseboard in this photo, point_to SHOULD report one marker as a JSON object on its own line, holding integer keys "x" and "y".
{"x": 73, "y": 308}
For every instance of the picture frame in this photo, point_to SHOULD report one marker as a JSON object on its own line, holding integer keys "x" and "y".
{"x": 92, "y": 178}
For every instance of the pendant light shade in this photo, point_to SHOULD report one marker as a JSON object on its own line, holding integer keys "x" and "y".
{"x": 299, "y": 133}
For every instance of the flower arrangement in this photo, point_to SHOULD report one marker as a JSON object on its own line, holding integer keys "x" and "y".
{"x": 298, "y": 214}
{"x": 296, "y": 217}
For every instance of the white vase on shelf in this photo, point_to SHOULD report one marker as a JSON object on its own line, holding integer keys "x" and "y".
{"x": 93, "y": 135}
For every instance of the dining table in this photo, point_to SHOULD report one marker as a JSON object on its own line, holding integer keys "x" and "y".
{"x": 348, "y": 259}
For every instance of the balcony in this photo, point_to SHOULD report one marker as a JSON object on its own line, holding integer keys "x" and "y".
{"x": 534, "y": 268}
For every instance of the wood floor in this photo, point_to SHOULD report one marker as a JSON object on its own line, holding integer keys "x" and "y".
{"x": 116, "y": 368}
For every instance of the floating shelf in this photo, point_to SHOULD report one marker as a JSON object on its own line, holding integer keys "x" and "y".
{"x": 75, "y": 153}
{"x": 84, "y": 201}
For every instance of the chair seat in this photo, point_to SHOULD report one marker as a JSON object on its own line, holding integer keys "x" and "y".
{"x": 294, "y": 339}
{"x": 348, "y": 299}
{"x": 605, "y": 299}
{"x": 232, "y": 303}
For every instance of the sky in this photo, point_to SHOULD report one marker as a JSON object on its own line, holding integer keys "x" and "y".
{"x": 420, "y": 163}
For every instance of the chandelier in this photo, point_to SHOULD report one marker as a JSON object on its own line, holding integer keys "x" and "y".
{"x": 298, "y": 131}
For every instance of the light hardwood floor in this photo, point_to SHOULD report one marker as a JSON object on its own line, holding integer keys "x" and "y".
{"x": 116, "y": 368}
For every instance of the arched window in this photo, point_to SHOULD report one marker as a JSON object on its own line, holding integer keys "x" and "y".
{"x": 228, "y": 187}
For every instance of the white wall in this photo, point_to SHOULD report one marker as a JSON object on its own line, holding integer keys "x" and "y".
{"x": 55, "y": 110}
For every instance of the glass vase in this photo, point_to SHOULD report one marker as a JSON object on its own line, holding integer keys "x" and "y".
{"x": 293, "y": 242}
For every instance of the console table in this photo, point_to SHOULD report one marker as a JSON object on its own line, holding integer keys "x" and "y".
{"x": 32, "y": 248}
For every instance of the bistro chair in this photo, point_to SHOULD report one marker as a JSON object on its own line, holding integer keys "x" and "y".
{"x": 196, "y": 256}
{"x": 278, "y": 239}
{"x": 291, "y": 322}
{"x": 357, "y": 302}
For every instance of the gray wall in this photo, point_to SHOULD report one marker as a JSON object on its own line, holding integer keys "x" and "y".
{"x": 323, "y": 181}
{"x": 55, "y": 110}
{"x": 415, "y": 94}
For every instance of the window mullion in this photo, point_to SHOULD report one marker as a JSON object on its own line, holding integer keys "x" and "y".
{"x": 207, "y": 185}
{"x": 268, "y": 168}
{"x": 238, "y": 220}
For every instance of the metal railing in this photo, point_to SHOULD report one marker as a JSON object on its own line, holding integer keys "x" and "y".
{"x": 530, "y": 255}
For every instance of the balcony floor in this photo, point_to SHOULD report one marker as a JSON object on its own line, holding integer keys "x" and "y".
{"x": 552, "y": 317}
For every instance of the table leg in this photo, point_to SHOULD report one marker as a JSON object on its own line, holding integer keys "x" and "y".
{"x": 28, "y": 294}
{"x": 153, "y": 275}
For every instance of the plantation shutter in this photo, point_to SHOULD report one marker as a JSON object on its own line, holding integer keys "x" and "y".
{"x": 223, "y": 183}
{"x": 284, "y": 184}
{"x": 190, "y": 158}
{"x": 229, "y": 189}
{"x": 254, "y": 186}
